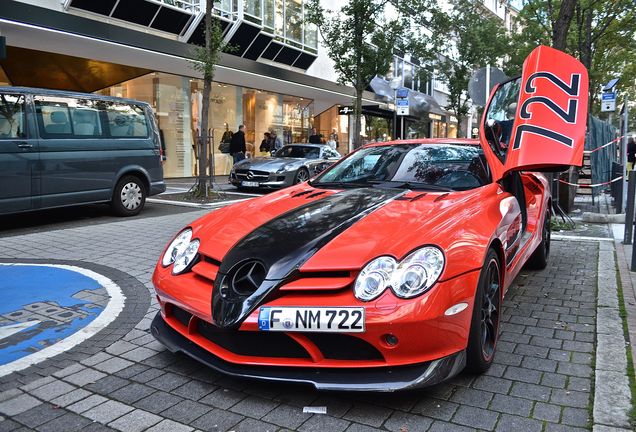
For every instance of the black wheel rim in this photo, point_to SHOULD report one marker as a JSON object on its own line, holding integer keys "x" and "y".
{"x": 491, "y": 300}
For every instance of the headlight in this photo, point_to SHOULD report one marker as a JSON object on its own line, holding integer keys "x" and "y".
{"x": 285, "y": 168}
{"x": 184, "y": 260}
{"x": 177, "y": 247}
{"x": 418, "y": 272}
{"x": 374, "y": 278}
{"x": 412, "y": 276}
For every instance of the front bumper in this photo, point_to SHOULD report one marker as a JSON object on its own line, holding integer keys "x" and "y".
{"x": 272, "y": 181}
{"x": 384, "y": 379}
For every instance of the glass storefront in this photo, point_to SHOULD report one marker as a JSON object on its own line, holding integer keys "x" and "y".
{"x": 331, "y": 124}
{"x": 177, "y": 102}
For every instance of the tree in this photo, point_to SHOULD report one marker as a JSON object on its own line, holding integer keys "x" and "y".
{"x": 361, "y": 40}
{"x": 477, "y": 39}
{"x": 601, "y": 35}
{"x": 205, "y": 61}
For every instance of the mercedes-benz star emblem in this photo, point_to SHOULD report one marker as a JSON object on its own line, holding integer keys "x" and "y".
{"x": 248, "y": 277}
{"x": 250, "y": 175}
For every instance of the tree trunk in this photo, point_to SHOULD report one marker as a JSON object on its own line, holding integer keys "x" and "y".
{"x": 562, "y": 24}
{"x": 205, "y": 108}
{"x": 357, "y": 111}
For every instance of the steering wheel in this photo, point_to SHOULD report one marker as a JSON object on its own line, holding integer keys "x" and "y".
{"x": 460, "y": 178}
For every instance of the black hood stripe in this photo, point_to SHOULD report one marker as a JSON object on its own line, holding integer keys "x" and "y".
{"x": 286, "y": 242}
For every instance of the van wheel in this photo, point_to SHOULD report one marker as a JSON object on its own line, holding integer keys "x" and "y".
{"x": 129, "y": 196}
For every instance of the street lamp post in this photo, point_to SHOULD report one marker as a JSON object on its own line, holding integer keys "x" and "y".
{"x": 395, "y": 84}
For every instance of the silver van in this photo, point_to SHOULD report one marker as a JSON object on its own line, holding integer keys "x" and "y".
{"x": 61, "y": 148}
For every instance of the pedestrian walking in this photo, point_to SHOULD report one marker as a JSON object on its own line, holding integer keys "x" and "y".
{"x": 237, "y": 145}
{"x": 315, "y": 137}
{"x": 631, "y": 154}
{"x": 266, "y": 144}
{"x": 276, "y": 143}
{"x": 334, "y": 137}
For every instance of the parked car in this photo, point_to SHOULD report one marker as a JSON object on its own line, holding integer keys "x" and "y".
{"x": 289, "y": 165}
{"x": 61, "y": 148}
{"x": 388, "y": 270}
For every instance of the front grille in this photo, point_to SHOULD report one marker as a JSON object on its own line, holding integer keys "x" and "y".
{"x": 336, "y": 346}
{"x": 181, "y": 315}
{"x": 256, "y": 344}
{"x": 256, "y": 175}
{"x": 333, "y": 346}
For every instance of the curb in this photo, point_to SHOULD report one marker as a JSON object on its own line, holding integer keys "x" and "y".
{"x": 612, "y": 395}
{"x": 195, "y": 205}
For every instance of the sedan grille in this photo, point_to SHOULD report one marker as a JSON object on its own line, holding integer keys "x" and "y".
{"x": 251, "y": 175}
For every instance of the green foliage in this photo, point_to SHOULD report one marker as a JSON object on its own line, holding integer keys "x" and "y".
{"x": 361, "y": 38}
{"x": 602, "y": 36}
{"x": 477, "y": 39}
{"x": 205, "y": 59}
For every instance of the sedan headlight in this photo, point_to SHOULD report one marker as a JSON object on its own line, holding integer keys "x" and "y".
{"x": 184, "y": 260}
{"x": 177, "y": 247}
{"x": 285, "y": 168}
{"x": 412, "y": 276}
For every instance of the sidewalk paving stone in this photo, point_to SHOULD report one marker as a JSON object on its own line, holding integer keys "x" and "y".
{"x": 541, "y": 377}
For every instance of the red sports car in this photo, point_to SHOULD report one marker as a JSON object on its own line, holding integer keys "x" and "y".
{"x": 388, "y": 270}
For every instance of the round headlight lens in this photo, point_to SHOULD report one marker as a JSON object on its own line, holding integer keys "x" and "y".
{"x": 183, "y": 261}
{"x": 177, "y": 247}
{"x": 418, "y": 272}
{"x": 374, "y": 278}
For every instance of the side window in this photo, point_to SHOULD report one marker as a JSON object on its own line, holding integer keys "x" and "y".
{"x": 126, "y": 121}
{"x": 54, "y": 120}
{"x": 12, "y": 123}
{"x": 63, "y": 117}
{"x": 85, "y": 118}
{"x": 500, "y": 117}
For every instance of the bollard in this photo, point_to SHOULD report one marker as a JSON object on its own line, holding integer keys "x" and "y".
{"x": 629, "y": 214}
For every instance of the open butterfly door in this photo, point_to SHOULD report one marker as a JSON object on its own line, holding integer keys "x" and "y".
{"x": 538, "y": 122}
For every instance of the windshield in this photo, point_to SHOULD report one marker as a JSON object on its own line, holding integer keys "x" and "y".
{"x": 413, "y": 166}
{"x": 296, "y": 151}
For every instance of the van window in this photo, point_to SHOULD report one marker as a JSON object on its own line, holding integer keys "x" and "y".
{"x": 68, "y": 117}
{"x": 12, "y": 124}
{"x": 53, "y": 117}
{"x": 125, "y": 120}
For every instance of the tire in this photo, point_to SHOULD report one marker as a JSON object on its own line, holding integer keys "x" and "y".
{"x": 484, "y": 326}
{"x": 302, "y": 175}
{"x": 129, "y": 196}
{"x": 539, "y": 258}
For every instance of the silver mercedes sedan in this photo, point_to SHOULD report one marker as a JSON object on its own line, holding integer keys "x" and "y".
{"x": 291, "y": 164}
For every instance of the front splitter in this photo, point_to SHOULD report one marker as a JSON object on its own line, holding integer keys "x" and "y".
{"x": 377, "y": 379}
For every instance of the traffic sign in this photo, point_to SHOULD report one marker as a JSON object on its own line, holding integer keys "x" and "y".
{"x": 608, "y": 102}
{"x": 402, "y": 107}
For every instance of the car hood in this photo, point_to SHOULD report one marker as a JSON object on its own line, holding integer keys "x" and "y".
{"x": 315, "y": 230}
{"x": 269, "y": 163}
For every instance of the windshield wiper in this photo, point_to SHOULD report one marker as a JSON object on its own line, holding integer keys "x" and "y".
{"x": 411, "y": 185}
{"x": 339, "y": 184}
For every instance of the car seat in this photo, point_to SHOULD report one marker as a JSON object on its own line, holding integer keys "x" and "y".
{"x": 59, "y": 125}
{"x": 120, "y": 126}
{"x": 84, "y": 122}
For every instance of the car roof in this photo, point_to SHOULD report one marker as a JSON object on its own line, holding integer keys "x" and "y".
{"x": 446, "y": 141}
{"x": 73, "y": 94}
{"x": 307, "y": 145}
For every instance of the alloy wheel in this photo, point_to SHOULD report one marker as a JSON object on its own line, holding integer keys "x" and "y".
{"x": 491, "y": 301}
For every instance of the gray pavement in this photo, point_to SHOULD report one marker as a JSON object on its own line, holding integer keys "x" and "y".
{"x": 542, "y": 378}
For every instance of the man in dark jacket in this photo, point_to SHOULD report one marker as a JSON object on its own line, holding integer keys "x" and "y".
{"x": 315, "y": 137}
{"x": 237, "y": 145}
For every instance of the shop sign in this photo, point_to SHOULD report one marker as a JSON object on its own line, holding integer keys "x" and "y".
{"x": 453, "y": 119}
{"x": 345, "y": 110}
{"x": 434, "y": 116}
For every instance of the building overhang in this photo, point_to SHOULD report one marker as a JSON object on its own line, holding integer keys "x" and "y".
{"x": 35, "y": 28}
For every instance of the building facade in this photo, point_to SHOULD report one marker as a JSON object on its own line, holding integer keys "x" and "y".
{"x": 278, "y": 77}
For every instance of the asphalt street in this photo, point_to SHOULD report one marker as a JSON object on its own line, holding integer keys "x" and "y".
{"x": 122, "y": 379}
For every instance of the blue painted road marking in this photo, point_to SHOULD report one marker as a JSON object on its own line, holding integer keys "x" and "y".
{"x": 42, "y": 305}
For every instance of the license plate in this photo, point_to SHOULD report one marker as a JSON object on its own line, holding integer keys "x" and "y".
{"x": 249, "y": 184}
{"x": 312, "y": 319}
